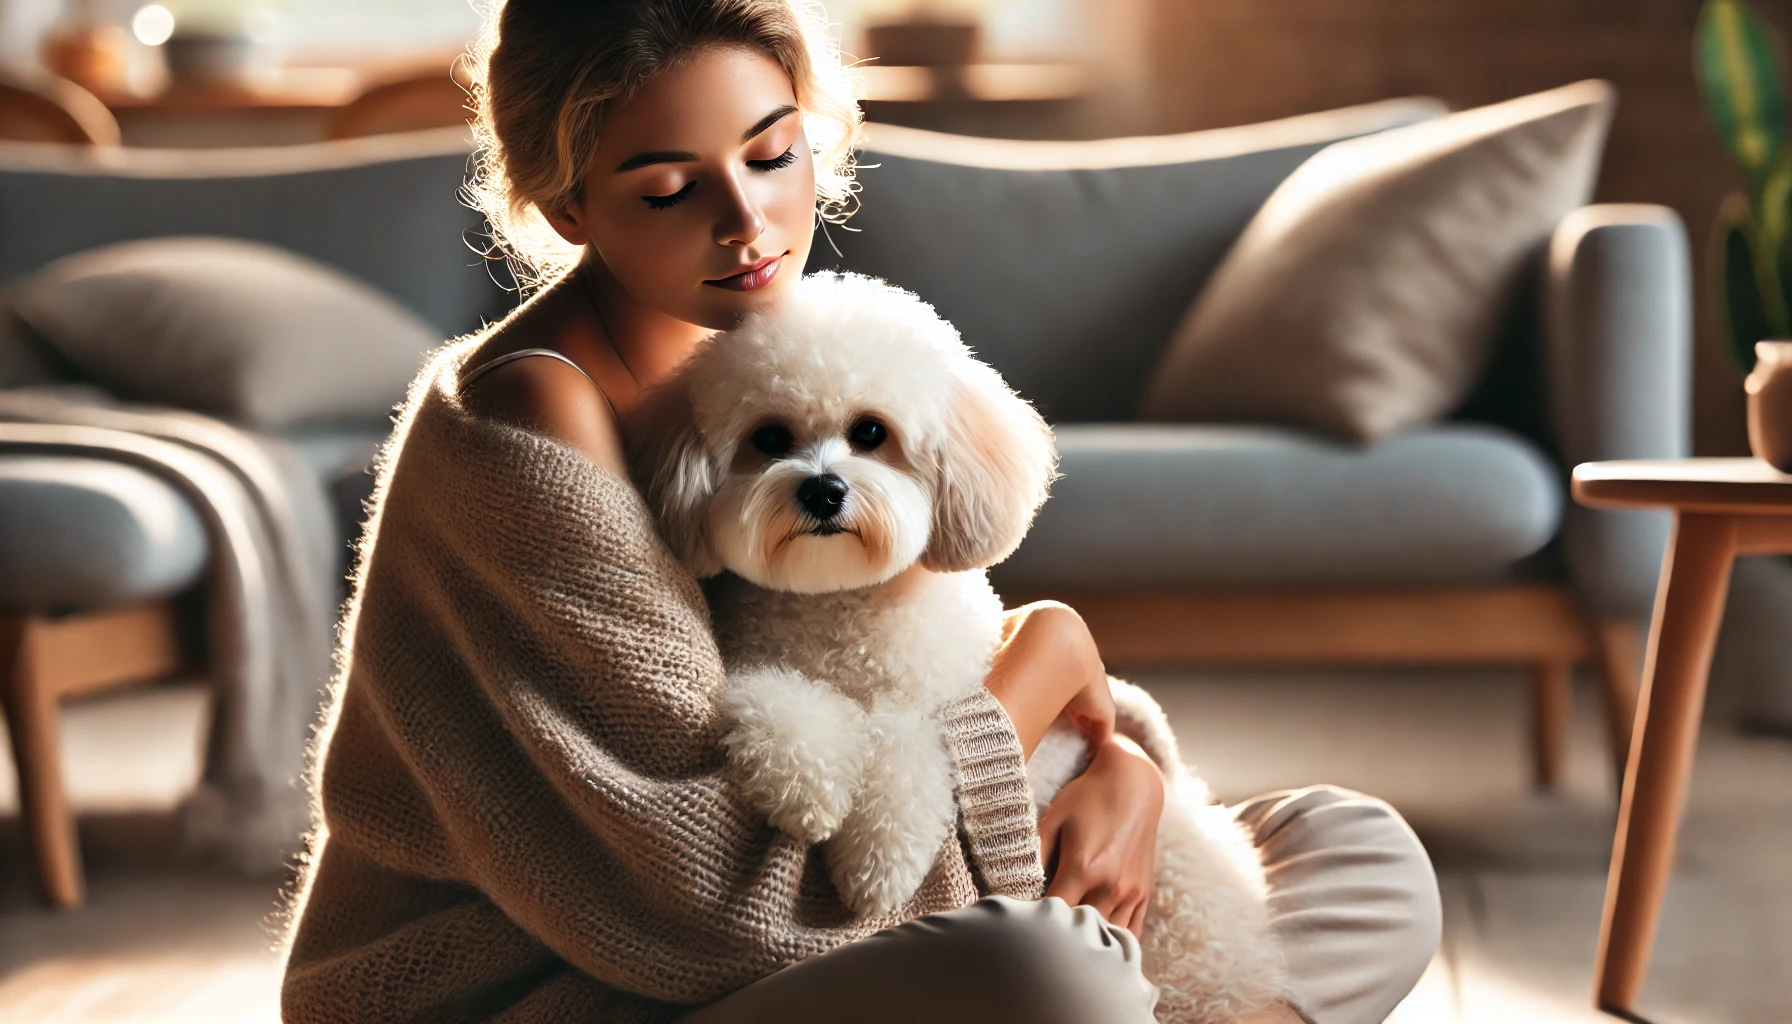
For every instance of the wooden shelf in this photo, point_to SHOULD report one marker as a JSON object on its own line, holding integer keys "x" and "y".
{"x": 294, "y": 89}
{"x": 972, "y": 83}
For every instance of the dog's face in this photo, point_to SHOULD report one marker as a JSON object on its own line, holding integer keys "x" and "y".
{"x": 836, "y": 440}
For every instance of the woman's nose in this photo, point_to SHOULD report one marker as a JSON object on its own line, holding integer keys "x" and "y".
{"x": 741, "y": 222}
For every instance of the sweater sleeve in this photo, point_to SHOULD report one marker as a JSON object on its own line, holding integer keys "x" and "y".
{"x": 542, "y": 670}
{"x": 995, "y": 799}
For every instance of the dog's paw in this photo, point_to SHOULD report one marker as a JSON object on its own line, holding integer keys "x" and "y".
{"x": 798, "y": 747}
{"x": 904, "y": 811}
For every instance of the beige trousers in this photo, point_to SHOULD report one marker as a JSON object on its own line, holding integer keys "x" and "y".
{"x": 1351, "y": 896}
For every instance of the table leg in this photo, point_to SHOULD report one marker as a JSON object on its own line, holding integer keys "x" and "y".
{"x": 1688, "y": 605}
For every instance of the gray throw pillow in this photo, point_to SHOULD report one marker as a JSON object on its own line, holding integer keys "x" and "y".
{"x": 1367, "y": 292}
{"x": 243, "y": 331}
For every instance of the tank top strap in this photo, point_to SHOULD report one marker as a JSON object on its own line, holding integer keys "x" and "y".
{"x": 523, "y": 353}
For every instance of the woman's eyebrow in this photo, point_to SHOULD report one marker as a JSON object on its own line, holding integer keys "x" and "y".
{"x": 767, "y": 121}
{"x": 676, "y": 156}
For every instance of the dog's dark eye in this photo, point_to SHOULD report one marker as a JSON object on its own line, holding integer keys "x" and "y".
{"x": 772, "y": 439}
{"x": 866, "y": 435}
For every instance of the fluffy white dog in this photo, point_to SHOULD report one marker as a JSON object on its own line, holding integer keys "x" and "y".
{"x": 855, "y": 470}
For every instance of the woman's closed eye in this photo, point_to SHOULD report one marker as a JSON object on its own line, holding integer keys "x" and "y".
{"x": 779, "y": 162}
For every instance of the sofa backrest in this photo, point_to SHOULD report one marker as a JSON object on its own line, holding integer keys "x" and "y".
{"x": 386, "y": 210}
{"x": 1067, "y": 265}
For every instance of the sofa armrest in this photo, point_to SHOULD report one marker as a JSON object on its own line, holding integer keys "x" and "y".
{"x": 1618, "y": 356}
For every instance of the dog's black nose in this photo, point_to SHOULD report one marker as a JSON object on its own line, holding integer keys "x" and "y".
{"x": 822, "y": 496}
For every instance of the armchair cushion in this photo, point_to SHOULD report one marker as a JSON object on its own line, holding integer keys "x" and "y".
{"x": 1158, "y": 505}
{"x": 84, "y": 534}
{"x": 1366, "y": 294}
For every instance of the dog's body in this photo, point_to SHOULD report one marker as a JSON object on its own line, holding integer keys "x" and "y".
{"x": 847, "y": 470}
{"x": 868, "y": 774}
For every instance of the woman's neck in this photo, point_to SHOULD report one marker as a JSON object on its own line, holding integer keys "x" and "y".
{"x": 650, "y": 343}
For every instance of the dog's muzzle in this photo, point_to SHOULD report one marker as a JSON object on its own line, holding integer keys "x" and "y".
{"x": 823, "y": 497}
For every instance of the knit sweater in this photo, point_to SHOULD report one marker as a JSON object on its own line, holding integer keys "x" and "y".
{"x": 525, "y": 810}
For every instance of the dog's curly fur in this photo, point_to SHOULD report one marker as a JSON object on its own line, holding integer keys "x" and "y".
{"x": 844, "y": 635}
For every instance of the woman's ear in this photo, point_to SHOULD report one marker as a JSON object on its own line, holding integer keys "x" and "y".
{"x": 994, "y": 462}
{"x": 675, "y": 473}
{"x": 568, "y": 222}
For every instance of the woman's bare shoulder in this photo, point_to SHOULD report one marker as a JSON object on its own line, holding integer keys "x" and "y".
{"x": 545, "y": 395}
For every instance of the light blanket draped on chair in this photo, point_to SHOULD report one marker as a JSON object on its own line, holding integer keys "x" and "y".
{"x": 270, "y": 598}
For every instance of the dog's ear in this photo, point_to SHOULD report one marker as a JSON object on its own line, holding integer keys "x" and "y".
{"x": 994, "y": 461}
{"x": 675, "y": 473}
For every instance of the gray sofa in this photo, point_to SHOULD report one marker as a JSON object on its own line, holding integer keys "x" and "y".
{"x": 1066, "y": 265}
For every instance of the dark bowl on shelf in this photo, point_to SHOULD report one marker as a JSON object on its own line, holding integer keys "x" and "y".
{"x": 214, "y": 57}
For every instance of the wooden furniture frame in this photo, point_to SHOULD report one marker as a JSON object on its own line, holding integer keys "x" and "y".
{"x": 44, "y": 108}
{"x": 1722, "y": 508}
{"x": 1539, "y": 626}
{"x": 43, "y": 660}
{"x": 432, "y": 100}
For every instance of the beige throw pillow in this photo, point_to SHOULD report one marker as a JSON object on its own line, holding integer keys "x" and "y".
{"x": 247, "y": 332}
{"x": 1367, "y": 292}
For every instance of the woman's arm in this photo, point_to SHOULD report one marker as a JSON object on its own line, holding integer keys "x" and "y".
{"x": 1048, "y": 665}
{"x": 1098, "y": 838}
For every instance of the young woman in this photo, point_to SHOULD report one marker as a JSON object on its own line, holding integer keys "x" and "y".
{"x": 661, "y": 164}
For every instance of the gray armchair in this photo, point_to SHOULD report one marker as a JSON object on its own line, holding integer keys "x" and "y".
{"x": 1067, "y": 265}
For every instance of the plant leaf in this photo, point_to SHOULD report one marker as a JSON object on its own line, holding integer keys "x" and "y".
{"x": 1735, "y": 283}
{"x": 1736, "y": 58}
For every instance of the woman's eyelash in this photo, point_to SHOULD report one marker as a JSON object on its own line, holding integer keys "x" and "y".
{"x": 784, "y": 159}
{"x": 778, "y": 162}
{"x": 661, "y": 202}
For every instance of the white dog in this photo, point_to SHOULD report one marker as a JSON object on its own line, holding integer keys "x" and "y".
{"x": 856, "y": 470}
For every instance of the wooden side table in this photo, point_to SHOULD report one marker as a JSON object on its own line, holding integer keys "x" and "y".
{"x": 1722, "y": 508}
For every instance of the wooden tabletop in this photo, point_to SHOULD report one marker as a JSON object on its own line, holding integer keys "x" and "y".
{"x": 1734, "y": 486}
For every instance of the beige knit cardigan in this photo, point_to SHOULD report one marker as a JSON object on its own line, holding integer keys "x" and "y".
{"x": 525, "y": 814}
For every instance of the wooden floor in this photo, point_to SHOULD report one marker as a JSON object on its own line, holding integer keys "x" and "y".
{"x": 1522, "y": 875}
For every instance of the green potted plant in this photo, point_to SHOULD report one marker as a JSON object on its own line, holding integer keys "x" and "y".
{"x": 1740, "y": 64}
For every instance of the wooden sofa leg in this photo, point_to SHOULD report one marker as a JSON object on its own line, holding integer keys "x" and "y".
{"x": 1620, "y": 675}
{"x": 1551, "y": 692}
{"x": 30, "y": 704}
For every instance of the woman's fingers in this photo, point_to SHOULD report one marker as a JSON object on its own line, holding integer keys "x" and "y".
{"x": 1135, "y": 918}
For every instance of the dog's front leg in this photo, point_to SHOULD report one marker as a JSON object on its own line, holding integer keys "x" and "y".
{"x": 904, "y": 810}
{"x": 799, "y": 748}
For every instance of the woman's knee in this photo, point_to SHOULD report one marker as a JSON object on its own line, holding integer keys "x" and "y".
{"x": 1352, "y": 895}
{"x": 1045, "y": 961}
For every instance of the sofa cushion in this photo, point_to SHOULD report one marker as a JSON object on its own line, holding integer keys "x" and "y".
{"x": 243, "y": 331}
{"x": 384, "y": 210}
{"x": 83, "y": 534}
{"x": 1144, "y": 505}
{"x": 1366, "y": 295}
{"x": 1066, "y": 265}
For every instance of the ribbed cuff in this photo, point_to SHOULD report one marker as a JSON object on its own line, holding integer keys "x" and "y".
{"x": 995, "y": 803}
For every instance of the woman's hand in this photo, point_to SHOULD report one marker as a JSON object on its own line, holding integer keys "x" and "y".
{"x": 1098, "y": 839}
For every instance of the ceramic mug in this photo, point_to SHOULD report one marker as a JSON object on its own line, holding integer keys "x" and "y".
{"x": 1770, "y": 404}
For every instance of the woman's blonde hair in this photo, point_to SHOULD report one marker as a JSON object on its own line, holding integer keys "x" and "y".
{"x": 545, "y": 73}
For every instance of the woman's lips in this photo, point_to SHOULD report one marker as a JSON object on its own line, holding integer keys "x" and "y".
{"x": 753, "y": 279}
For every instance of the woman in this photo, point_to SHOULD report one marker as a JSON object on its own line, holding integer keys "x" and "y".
{"x": 526, "y": 818}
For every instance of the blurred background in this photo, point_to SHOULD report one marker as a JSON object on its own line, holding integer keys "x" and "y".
{"x": 1480, "y": 681}
{"x": 1063, "y": 69}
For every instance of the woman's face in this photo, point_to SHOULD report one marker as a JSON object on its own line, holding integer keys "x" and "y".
{"x": 701, "y": 197}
